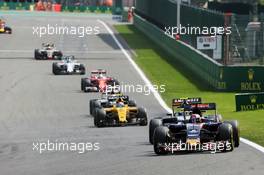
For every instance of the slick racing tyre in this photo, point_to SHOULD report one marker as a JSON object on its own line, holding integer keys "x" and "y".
{"x": 114, "y": 83}
{"x": 225, "y": 134}
{"x": 55, "y": 69}
{"x": 132, "y": 103}
{"x": 36, "y": 54}
{"x": 57, "y": 55}
{"x": 83, "y": 84}
{"x": 160, "y": 138}
{"x": 153, "y": 124}
{"x": 8, "y": 30}
{"x": 92, "y": 106}
{"x": 99, "y": 117}
{"x": 96, "y": 105}
{"x": 142, "y": 116}
{"x": 236, "y": 132}
{"x": 82, "y": 69}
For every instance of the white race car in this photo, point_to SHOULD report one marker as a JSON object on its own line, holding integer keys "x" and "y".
{"x": 68, "y": 66}
{"x": 48, "y": 52}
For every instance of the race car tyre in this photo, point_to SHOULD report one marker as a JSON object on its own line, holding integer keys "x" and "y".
{"x": 40, "y": 55}
{"x": 55, "y": 69}
{"x": 91, "y": 104}
{"x": 83, "y": 83}
{"x": 114, "y": 82}
{"x": 82, "y": 69}
{"x": 153, "y": 124}
{"x": 96, "y": 105}
{"x": 8, "y": 30}
{"x": 225, "y": 134}
{"x": 43, "y": 55}
{"x": 142, "y": 115}
{"x": 160, "y": 138}
{"x": 36, "y": 54}
{"x": 99, "y": 117}
{"x": 236, "y": 132}
{"x": 57, "y": 55}
{"x": 132, "y": 103}
{"x": 86, "y": 83}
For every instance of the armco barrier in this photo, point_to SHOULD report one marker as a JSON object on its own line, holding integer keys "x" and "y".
{"x": 215, "y": 75}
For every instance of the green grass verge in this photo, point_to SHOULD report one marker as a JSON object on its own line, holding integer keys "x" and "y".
{"x": 162, "y": 69}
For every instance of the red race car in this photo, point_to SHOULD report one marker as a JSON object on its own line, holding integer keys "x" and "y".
{"x": 98, "y": 82}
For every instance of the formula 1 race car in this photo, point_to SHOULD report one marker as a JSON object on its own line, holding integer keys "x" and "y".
{"x": 47, "y": 52}
{"x": 104, "y": 100}
{"x": 179, "y": 106}
{"x": 194, "y": 130}
{"x": 97, "y": 82}
{"x": 3, "y": 27}
{"x": 119, "y": 111}
{"x": 68, "y": 66}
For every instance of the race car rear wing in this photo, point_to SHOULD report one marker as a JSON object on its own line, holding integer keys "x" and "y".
{"x": 115, "y": 97}
{"x": 178, "y": 102}
{"x": 98, "y": 71}
{"x": 204, "y": 106}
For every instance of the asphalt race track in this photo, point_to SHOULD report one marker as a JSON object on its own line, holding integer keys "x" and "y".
{"x": 36, "y": 106}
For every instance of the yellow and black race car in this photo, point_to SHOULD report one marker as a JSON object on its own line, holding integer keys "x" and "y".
{"x": 4, "y": 28}
{"x": 121, "y": 112}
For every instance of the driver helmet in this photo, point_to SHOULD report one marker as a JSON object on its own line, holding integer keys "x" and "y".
{"x": 68, "y": 60}
{"x": 49, "y": 46}
{"x": 195, "y": 118}
{"x": 100, "y": 76}
{"x": 120, "y": 102}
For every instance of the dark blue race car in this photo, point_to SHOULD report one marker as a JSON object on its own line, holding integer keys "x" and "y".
{"x": 193, "y": 126}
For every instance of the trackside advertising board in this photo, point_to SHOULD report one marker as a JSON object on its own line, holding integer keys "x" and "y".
{"x": 206, "y": 42}
{"x": 249, "y": 101}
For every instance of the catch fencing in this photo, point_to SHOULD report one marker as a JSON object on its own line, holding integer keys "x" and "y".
{"x": 213, "y": 74}
{"x": 163, "y": 13}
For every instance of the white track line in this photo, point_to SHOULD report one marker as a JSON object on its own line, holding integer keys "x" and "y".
{"x": 252, "y": 144}
{"x": 155, "y": 93}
